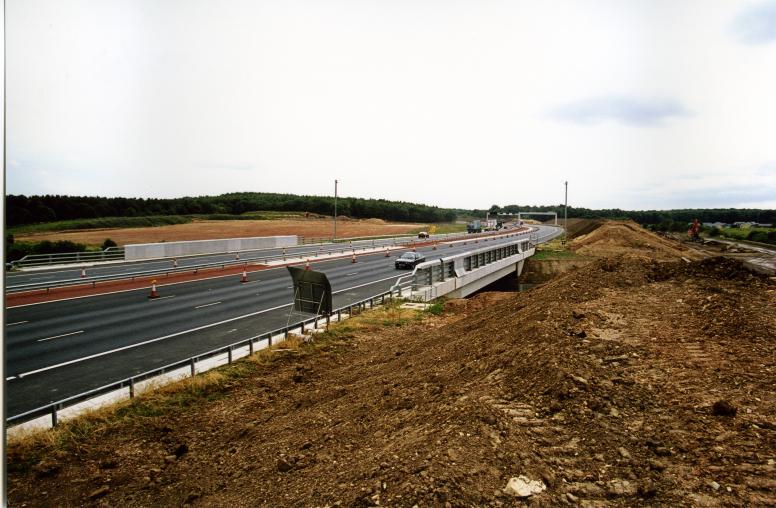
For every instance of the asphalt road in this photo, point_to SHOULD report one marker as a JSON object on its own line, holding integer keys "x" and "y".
{"x": 43, "y": 274}
{"x": 57, "y": 349}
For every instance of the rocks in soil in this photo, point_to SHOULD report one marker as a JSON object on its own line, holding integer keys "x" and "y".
{"x": 181, "y": 450}
{"x": 723, "y": 408}
{"x": 284, "y": 465}
{"x": 46, "y": 468}
{"x": 99, "y": 492}
{"x": 522, "y": 486}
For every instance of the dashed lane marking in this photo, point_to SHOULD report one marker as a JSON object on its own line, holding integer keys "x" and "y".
{"x": 60, "y": 336}
{"x": 206, "y": 305}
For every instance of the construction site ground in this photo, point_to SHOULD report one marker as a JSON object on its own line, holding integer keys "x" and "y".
{"x": 641, "y": 378}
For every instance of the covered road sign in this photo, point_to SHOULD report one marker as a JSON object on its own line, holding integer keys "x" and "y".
{"x": 312, "y": 291}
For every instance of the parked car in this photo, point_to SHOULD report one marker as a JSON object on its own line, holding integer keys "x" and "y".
{"x": 423, "y": 234}
{"x": 409, "y": 260}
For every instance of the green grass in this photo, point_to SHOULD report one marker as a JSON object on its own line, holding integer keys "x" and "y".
{"x": 744, "y": 234}
{"x": 435, "y": 309}
{"x": 100, "y": 223}
{"x": 147, "y": 221}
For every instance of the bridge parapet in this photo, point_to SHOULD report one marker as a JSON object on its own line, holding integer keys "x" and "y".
{"x": 465, "y": 273}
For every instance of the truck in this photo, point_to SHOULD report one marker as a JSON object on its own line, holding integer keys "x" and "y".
{"x": 474, "y": 226}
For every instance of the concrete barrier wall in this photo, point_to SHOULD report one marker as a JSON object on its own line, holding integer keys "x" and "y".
{"x": 190, "y": 248}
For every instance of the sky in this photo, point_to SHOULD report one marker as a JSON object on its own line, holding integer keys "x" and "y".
{"x": 653, "y": 104}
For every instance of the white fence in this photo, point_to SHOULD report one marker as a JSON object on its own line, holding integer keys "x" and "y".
{"x": 176, "y": 249}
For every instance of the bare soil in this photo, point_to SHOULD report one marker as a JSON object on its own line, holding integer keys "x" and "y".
{"x": 215, "y": 229}
{"x": 626, "y": 382}
{"x": 614, "y": 238}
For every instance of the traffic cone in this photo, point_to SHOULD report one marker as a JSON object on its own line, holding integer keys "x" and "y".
{"x": 386, "y": 252}
{"x": 307, "y": 265}
{"x": 175, "y": 262}
{"x": 83, "y": 272}
{"x": 434, "y": 247}
{"x": 244, "y": 277}
{"x": 353, "y": 259}
{"x": 237, "y": 256}
{"x": 153, "y": 290}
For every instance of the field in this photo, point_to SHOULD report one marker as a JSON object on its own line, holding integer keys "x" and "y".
{"x": 213, "y": 229}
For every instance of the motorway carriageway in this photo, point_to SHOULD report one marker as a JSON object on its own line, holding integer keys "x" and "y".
{"x": 58, "y": 349}
{"x": 47, "y": 274}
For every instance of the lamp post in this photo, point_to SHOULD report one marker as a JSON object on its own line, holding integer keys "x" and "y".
{"x": 565, "y": 212}
{"x": 334, "y": 237}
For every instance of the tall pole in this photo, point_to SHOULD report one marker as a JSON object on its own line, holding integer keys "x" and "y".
{"x": 335, "y": 211}
{"x": 565, "y": 212}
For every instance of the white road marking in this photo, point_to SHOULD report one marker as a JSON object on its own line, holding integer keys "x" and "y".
{"x": 367, "y": 284}
{"x": 132, "y": 346}
{"x": 206, "y": 305}
{"x": 232, "y": 330}
{"x": 10, "y": 378}
{"x": 349, "y": 274}
{"x": 60, "y": 336}
{"x": 17, "y": 323}
{"x": 160, "y": 298}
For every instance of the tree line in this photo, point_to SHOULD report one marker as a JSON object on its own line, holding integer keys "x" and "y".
{"x": 21, "y": 210}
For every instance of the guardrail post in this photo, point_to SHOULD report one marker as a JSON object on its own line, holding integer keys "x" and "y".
{"x": 131, "y": 388}
{"x": 328, "y": 320}
{"x": 54, "y": 415}
{"x": 192, "y": 364}
{"x": 269, "y": 339}
{"x": 339, "y": 315}
{"x": 250, "y": 347}
{"x": 229, "y": 353}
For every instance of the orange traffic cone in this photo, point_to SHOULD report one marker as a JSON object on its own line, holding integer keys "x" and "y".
{"x": 434, "y": 247}
{"x": 153, "y": 290}
{"x": 244, "y": 277}
{"x": 175, "y": 262}
{"x": 386, "y": 252}
{"x": 237, "y": 256}
{"x": 353, "y": 259}
{"x": 414, "y": 249}
{"x": 83, "y": 272}
{"x": 307, "y": 265}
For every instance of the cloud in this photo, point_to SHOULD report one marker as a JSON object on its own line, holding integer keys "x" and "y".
{"x": 626, "y": 110}
{"x": 756, "y": 24}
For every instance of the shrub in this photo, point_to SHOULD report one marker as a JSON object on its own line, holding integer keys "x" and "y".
{"x": 108, "y": 243}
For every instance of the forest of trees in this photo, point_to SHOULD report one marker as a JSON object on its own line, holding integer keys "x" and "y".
{"x": 21, "y": 210}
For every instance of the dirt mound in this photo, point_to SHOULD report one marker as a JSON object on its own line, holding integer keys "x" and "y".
{"x": 614, "y": 238}
{"x": 609, "y": 385}
{"x": 579, "y": 227}
{"x": 375, "y": 221}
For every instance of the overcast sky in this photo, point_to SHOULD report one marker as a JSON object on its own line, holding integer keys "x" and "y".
{"x": 638, "y": 104}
